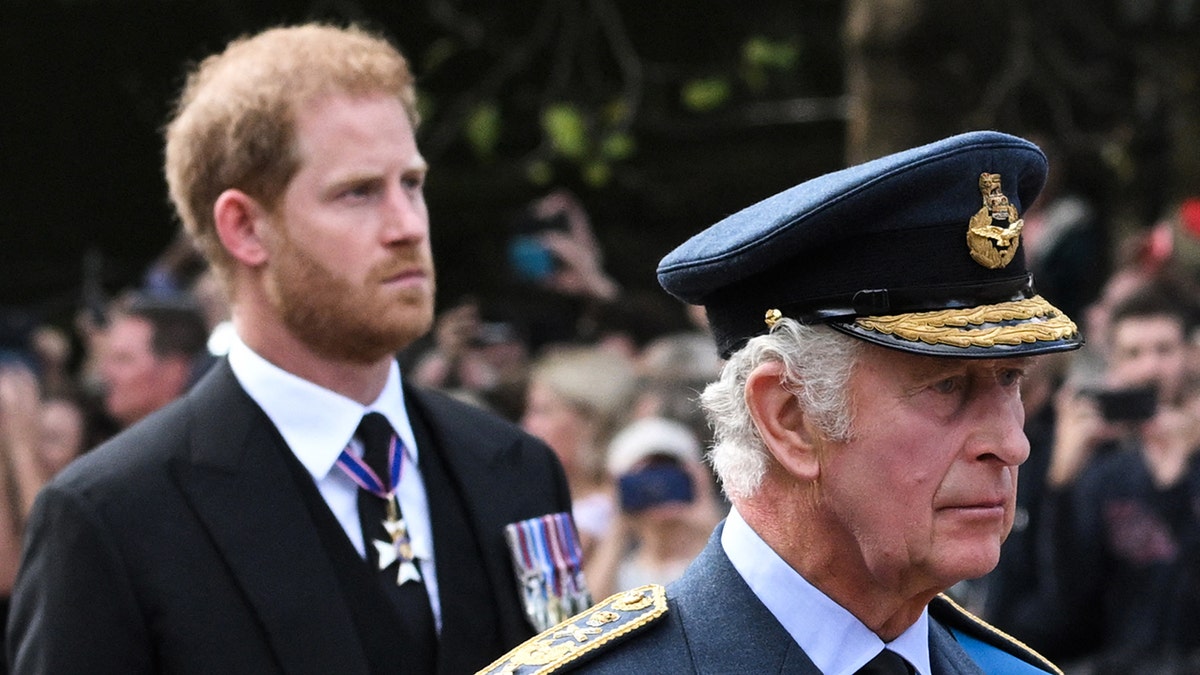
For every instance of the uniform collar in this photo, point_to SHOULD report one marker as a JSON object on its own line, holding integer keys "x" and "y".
{"x": 833, "y": 638}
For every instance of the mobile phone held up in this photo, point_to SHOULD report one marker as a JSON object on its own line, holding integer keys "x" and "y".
{"x": 655, "y": 484}
{"x": 528, "y": 257}
{"x": 1132, "y": 404}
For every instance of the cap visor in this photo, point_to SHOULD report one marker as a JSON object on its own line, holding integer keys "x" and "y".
{"x": 1008, "y": 329}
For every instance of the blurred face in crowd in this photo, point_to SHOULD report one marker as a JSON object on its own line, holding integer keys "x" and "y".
{"x": 923, "y": 492}
{"x": 351, "y": 272}
{"x": 136, "y": 380}
{"x": 561, "y": 425}
{"x": 1149, "y": 350}
{"x": 62, "y": 435}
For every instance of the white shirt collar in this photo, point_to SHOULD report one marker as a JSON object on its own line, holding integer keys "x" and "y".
{"x": 316, "y": 423}
{"x": 835, "y": 641}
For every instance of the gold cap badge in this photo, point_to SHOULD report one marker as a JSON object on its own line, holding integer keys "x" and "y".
{"x": 994, "y": 233}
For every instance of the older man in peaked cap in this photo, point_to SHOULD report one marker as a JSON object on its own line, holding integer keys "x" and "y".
{"x": 868, "y": 422}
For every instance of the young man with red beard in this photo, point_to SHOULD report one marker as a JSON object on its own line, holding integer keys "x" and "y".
{"x": 249, "y": 527}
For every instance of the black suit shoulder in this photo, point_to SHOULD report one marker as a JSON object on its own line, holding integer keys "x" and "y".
{"x": 443, "y": 408}
{"x": 448, "y": 413}
{"x": 117, "y": 564}
{"x": 142, "y": 449}
{"x": 485, "y": 449}
{"x": 121, "y": 480}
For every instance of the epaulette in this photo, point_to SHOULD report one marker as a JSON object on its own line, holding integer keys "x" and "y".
{"x": 603, "y": 625}
{"x": 985, "y": 642}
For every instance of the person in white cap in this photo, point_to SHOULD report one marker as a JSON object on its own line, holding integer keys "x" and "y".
{"x": 667, "y": 505}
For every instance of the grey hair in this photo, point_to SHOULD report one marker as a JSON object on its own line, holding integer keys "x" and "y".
{"x": 817, "y": 364}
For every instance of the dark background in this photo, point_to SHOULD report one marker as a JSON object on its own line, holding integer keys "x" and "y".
{"x": 86, "y": 87}
{"x": 803, "y": 87}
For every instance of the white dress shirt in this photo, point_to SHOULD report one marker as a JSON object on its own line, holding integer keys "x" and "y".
{"x": 835, "y": 641}
{"x": 318, "y": 424}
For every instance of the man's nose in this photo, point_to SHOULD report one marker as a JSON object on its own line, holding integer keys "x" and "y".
{"x": 404, "y": 216}
{"x": 1000, "y": 434}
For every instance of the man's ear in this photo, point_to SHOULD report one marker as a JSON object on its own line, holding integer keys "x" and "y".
{"x": 240, "y": 220}
{"x": 785, "y": 428}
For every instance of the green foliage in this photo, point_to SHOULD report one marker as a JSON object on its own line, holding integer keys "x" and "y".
{"x": 438, "y": 53}
{"x": 616, "y": 112}
{"x": 597, "y": 173}
{"x": 539, "y": 172}
{"x": 761, "y": 52}
{"x": 483, "y": 129}
{"x": 762, "y": 56}
{"x": 589, "y": 140}
{"x": 706, "y": 94}
{"x": 566, "y": 130}
{"x": 571, "y": 94}
{"x": 427, "y": 106}
{"x": 618, "y": 146}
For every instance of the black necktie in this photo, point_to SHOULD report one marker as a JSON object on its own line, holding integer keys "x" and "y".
{"x": 411, "y": 600}
{"x": 887, "y": 662}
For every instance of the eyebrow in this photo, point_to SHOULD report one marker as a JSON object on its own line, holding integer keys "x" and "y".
{"x": 948, "y": 365}
{"x": 356, "y": 175}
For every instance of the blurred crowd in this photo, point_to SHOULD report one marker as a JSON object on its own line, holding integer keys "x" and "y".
{"x": 1102, "y": 571}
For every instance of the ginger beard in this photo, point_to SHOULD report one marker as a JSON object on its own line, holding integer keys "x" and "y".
{"x": 342, "y": 320}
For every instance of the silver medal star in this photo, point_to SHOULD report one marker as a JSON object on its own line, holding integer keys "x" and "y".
{"x": 390, "y": 552}
{"x": 399, "y": 548}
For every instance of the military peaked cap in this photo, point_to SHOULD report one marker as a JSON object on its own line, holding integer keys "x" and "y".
{"x": 918, "y": 251}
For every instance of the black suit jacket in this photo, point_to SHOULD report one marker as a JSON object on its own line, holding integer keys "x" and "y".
{"x": 183, "y": 545}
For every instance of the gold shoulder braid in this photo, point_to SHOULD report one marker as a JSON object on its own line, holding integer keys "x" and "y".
{"x": 982, "y": 326}
{"x": 612, "y": 619}
{"x": 1042, "y": 661}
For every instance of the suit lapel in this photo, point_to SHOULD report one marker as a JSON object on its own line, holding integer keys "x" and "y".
{"x": 473, "y": 459}
{"x": 241, "y": 489}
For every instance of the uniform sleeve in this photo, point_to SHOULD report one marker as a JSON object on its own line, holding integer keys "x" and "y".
{"x": 73, "y": 609}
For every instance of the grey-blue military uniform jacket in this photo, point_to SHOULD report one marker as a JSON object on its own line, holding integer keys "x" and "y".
{"x": 711, "y": 622}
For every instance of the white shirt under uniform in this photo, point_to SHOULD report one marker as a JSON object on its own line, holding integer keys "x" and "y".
{"x": 835, "y": 641}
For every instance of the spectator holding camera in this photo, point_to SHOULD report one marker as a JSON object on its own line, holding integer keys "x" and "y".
{"x": 1122, "y": 516}
{"x": 1147, "y": 361}
{"x": 570, "y": 261}
{"x": 483, "y": 362}
{"x": 559, "y": 288}
{"x": 667, "y": 507}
